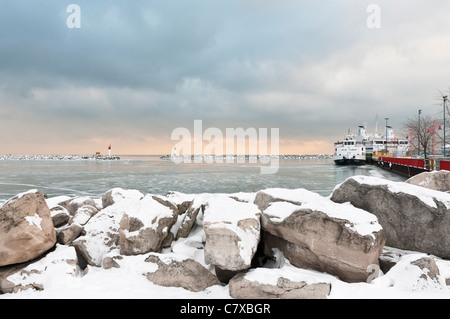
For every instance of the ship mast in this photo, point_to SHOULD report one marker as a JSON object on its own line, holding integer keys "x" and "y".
{"x": 376, "y": 125}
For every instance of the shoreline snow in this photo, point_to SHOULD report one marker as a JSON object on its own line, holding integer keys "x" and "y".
{"x": 64, "y": 280}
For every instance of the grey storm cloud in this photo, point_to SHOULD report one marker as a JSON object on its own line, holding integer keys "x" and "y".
{"x": 312, "y": 69}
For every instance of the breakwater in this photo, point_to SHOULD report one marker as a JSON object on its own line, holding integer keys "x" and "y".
{"x": 57, "y": 157}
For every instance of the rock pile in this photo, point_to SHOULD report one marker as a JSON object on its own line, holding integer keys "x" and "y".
{"x": 196, "y": 241}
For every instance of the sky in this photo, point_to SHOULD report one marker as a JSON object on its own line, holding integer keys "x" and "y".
{"x": 129, "y": 73}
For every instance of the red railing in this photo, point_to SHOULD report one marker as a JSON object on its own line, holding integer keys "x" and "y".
{"x": 411, "y": 162}
{"x": 445, "y": 165}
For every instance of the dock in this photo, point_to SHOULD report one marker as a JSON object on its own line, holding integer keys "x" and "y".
{"x": 409, "y": 167}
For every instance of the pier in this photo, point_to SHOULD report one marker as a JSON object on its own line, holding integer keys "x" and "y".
{"x": 410, "y": 166}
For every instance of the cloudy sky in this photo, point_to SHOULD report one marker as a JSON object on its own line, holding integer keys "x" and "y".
{"x": 136, "y": 70}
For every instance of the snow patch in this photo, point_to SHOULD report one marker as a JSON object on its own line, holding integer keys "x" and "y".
{"x": 34, "y": 220}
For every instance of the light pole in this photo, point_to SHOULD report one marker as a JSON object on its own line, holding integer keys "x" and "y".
{"x": 445, "y": 100}
{"x": 386, "y": 119}
{"x": 418, "y": 136}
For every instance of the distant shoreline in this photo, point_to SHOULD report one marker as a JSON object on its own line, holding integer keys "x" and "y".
{"x": 42, "y": 157}
{"x": 58, "y": 157}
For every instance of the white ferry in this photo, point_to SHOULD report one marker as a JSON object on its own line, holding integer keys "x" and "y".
{"x": 355, "y": 149}
{"x": 352, "y": 150}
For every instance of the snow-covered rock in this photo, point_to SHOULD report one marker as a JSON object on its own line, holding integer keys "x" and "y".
{"x": 286, "y": 283}
{"x": 314, "y": 232}
{"x": 145, "y": 227}
{"x": 436, "y": 180}
{"x": 413, "y": 217}
{"x": 74, "y": 204}
{"x": 414, "y": 272}
{"x": 189, "y": 217}
{"x": 57, "y": 268}
{"x": 83, "y": 214}
{"x": 102, "y": 232}
{"x": 66, "y": 235}
{"x": 117, "y": 194}
{"x": 232, "y": 231}
{"x": 26, "y": 228}
{"x": 60, "y": 216}
{"x": 174, "y": 271}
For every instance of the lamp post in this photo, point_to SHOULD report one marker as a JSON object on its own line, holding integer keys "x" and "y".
{"x": 445, "y": 100}
{"x": 386, "y": 119}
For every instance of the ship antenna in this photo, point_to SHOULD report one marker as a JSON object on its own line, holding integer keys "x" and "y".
{"x": 376, "y": 124}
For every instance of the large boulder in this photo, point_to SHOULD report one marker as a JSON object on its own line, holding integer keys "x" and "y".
{"x": 436, "y": 180}
{"x": 314, "y": 232}
{"x": 145, "y": 227}
{"x": 284, "y": 283}
{"x": 232, "y": 231}
{"x": 413, "y": 217}
{"x": 26, "y": 228}
{"x": 174, "y": 271}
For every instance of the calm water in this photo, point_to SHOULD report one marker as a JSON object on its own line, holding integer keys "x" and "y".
{"x": 150, "y": 174}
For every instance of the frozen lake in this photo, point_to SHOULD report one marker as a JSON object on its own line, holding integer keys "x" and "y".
{"x": 150, "y": 174}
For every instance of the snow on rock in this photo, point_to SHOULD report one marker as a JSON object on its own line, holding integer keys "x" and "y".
{"x": 289, "y": 200}
{"x": 287, "y": 282}
{"x": 436, "y": 180}
{"x": 145, "y": 227}
{"x": 60, "y": 216}
{"x": 102, "y": 232}
{"x": 414, "y": 272}
{"x": 26, "y": 228}
{"x": 83, "y": 214}
{"x": 74, "y": 204}
{"x": 34, "y": 220}
{"x": 57, "y": 268}
{"x": 117, "y": 194}
{"x": 413, "y": 217}
{"x": 232, "y": 232}
{"x": 189, "y": 218}
{"x": 55, "y": 201}
{"x": 314, "y": 232}
{"x": 173, "y": 271}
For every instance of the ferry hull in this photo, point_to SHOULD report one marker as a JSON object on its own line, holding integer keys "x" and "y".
{"x": 350, "y": 161}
